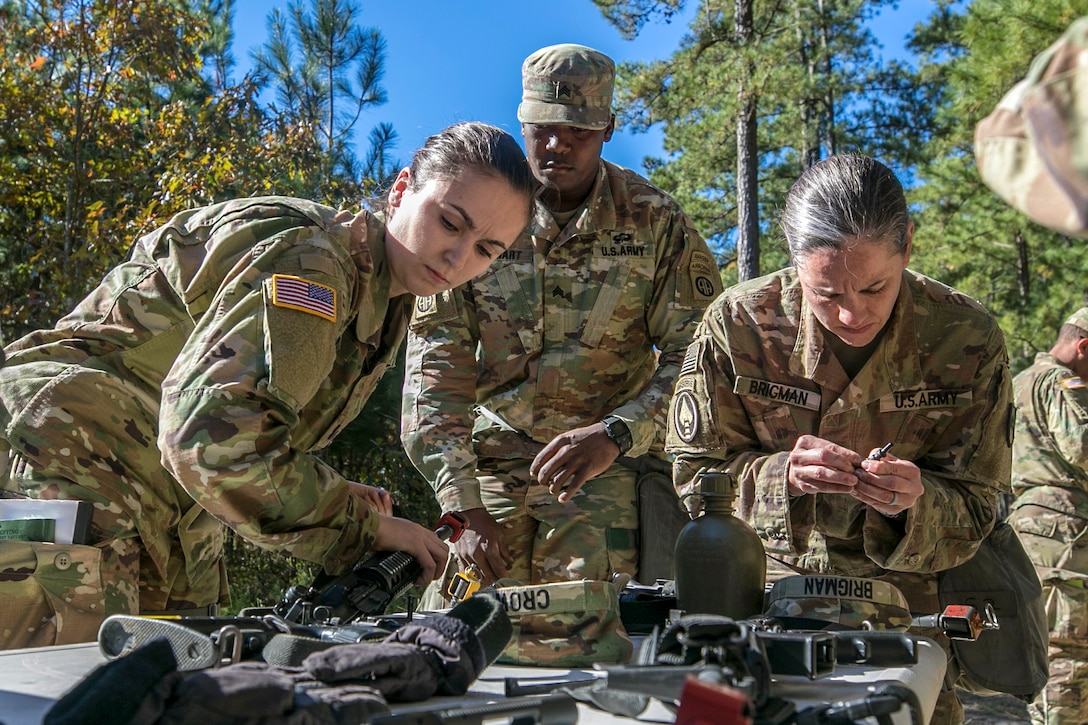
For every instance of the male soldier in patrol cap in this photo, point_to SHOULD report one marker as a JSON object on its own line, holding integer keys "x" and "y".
{"x": 1032, "y": 151}
{"x": 525, "y": 387}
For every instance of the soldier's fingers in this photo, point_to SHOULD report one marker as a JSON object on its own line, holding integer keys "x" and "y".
{"x": 555, "y": 470}
{"x": 547, "y": 454}
{"x": 496, "y": 565}
{"x": 383, "y": 501}
{"x": 571, "y": 488}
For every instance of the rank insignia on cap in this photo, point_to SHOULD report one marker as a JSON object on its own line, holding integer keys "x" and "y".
{"x": 562, "y": 90}
{"x": 296, "y": 293}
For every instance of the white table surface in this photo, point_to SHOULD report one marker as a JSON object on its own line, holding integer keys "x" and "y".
{"x": 31, "y": 680}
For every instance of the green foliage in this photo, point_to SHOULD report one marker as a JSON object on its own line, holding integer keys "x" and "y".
{"x": 629, "y": 16}
{"x": 326, "y": 71}
{"x": 1028, "y": 276}
{"x": 116, "y": 115}
{"x": 82, "y": 83}
{"x": 810, "y": 71}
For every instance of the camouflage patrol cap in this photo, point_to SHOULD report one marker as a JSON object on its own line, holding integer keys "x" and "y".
{"x": 567, "y": 85}
{"x": 1032, "y": 149}
{"x": 1079, "y": 319}
{"x": 849, "y": 601}
{"x": 564, "y": 624}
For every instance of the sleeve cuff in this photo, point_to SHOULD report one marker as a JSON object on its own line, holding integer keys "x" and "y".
{"x": 460, "y": 497}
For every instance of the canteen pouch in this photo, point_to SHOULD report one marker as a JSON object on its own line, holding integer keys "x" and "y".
{"x": 1013, "y": 658}
{"x": 660, "y": 519}
{"x": 564, "y": 624}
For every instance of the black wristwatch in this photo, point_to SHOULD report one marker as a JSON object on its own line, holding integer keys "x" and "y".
{"x": 618, "y": 431}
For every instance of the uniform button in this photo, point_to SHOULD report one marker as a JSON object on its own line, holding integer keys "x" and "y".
{"x": 913, "y": 559}
{"x": 62, "y": 561}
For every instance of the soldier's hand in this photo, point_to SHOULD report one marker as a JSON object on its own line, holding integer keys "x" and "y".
{"x": 891, "y": 485}
{"x": 484, "y": 545}
{"x": 396, "y": 534}
{"x": 820, "y": 466}
{"x": 572, "y": 458}
{"x": 375, "y": 497}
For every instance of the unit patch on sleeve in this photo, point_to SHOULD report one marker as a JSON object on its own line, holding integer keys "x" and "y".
{"x": 685, "y": 415}
{"x": 703, "y": 272}
{"x": 296, "y": 293}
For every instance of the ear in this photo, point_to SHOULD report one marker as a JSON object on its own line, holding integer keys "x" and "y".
{"x": 610, "y": 128}
{"x": 401, "y": 184}
{"x": 1081, "y": 347}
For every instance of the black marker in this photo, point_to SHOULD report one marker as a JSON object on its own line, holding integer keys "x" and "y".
{"x": 880, "y": 453}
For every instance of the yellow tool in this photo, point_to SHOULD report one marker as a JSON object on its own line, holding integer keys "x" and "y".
{"x": 465, "y": 583}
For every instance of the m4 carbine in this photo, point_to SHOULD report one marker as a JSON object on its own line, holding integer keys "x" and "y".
{"x": 365, "y": 591}
{"x": 331, "y": 610}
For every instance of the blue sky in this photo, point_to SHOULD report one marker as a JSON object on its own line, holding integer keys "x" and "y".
{"x": 460, "y": 60}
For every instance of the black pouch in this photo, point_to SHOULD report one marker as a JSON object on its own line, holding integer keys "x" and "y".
{"x": 1013, "y": 658}
{"x": 660, "y": 518}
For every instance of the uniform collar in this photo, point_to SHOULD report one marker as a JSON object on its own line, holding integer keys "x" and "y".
{"x": 597, "y": 212}
{"x": 372, "y": 289}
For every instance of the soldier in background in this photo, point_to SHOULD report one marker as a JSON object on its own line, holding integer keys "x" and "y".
{"x": 1050, "y": 512}
{"x": 524, "y": 387}
{"x": 794, "y": 378}
{"x": 1032, "y": 150}
{"x": 193, "y": 386}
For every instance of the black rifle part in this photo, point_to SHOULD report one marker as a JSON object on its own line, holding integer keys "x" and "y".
{"x": 550, "y": 710}
{"x": 365, "y": 591}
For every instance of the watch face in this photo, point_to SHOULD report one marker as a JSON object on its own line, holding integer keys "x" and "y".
{"x": 619, "y": 432}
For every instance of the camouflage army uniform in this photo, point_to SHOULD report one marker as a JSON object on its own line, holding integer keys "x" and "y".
{"x": 234, "y": 341}
{"x": 758, "y": 375}
{"x": 566, "y": 323}
{"x": 1031, "y": 151}
{"x": 1050, "y": 514}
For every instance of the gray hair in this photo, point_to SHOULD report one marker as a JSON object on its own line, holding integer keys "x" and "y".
{"x": 842, "y": 199}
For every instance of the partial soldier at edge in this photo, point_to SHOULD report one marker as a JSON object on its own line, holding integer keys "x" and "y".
{"x": 1032, "y": 150}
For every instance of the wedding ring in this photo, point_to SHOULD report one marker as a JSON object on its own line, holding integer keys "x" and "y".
{"x": 895, "y": 498}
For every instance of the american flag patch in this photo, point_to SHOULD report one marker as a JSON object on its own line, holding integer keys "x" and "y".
{"x": 301, "y": 294}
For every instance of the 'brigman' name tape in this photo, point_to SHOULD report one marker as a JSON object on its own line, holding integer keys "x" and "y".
{"x": 787, "y": 394}
{"x": 837, "y": 587}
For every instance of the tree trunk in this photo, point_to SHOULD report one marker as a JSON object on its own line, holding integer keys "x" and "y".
{"x": 747, "y": 158}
